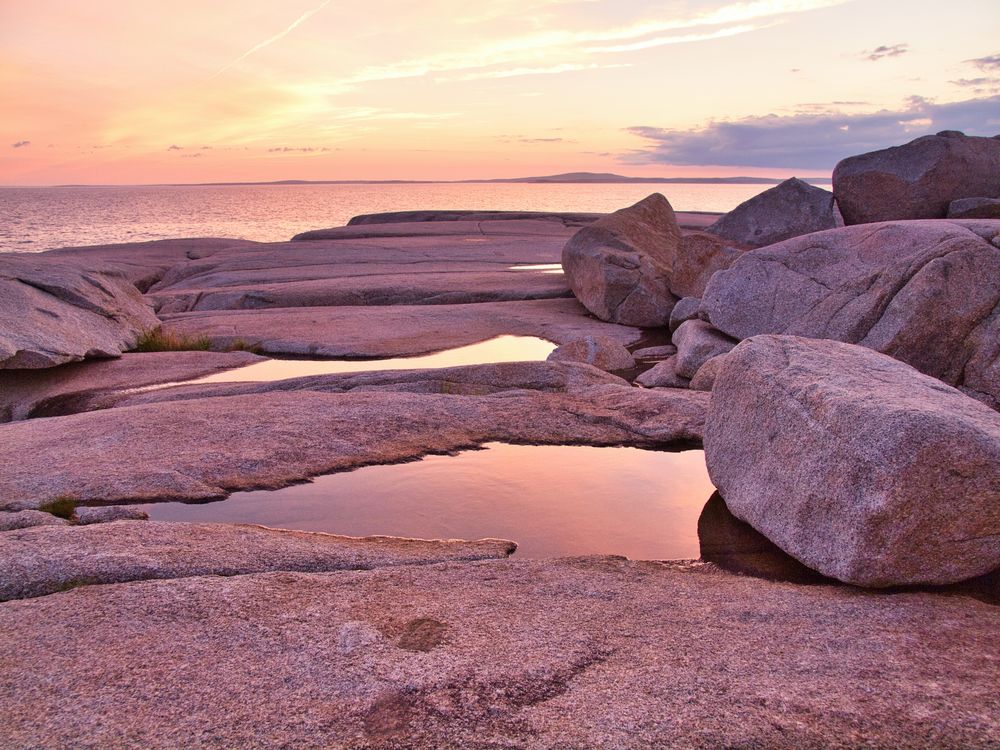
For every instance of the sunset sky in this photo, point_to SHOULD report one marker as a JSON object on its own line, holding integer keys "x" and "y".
{"x": 142, "y": 91}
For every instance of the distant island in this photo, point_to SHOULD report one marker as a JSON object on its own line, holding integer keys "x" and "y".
{"x": 566, "y": 178}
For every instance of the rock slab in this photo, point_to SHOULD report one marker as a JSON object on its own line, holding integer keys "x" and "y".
{"x": 856, "y": 464}
{"x": 53, "y": 312}
{"x": 577, "y": 653}
{"x": 46, "y": 559}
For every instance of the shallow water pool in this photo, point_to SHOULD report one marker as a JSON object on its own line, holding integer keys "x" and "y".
{"x": 551, "y": 500}
{"x": 493, "y": 351}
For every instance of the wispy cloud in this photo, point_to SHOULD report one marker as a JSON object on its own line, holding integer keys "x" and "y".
{"x": 810, "y": 141}
{"x": 20, "y": 144}
{"x": 884, "y": 50}
{"x": 661, "y": 41}
{"x": 990, "y": 62}
{"x": 535, "y": 47}
{"x": 271, "y": 40}
{"x": 517, "y": 72}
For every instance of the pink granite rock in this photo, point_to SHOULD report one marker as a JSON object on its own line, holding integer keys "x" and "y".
{"x": 856, "y": 464}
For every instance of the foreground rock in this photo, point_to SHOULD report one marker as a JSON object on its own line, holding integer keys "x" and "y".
{"x": 272, "y": 437}
{"x": 46, "y": 559}
{"x": 787, "y": 210}
{"x": 39, "y": 393}
{"x": 619, "y": 267}
{"x": 534, "y": 654}
{"x": 917, "y": 180}
{"x": 54, "y": 312}
{"x": 924, "y": 292}
{"x": 856, "y": 464}
{"x": 602, "y": 352}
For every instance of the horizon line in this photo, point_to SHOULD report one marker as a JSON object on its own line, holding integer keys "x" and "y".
{"x": 567, "y": 178}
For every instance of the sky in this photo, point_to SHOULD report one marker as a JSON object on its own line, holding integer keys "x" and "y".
{"x": 156, "y": 91}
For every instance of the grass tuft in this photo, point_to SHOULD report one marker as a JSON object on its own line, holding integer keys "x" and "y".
{"x": 63, "y": 506}
{"x": 158, "y": 340}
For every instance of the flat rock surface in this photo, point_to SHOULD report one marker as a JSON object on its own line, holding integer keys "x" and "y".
{"x": 686, "y": 219}
{"x": 46, "y": 559}
{"x": 576, "y": 653}
{"x": 856, "y": 464}
{"x": 414, "y": 264}
{"x": 924, "y": 292}
{"x": 203, "y": 448}
{"x": 30, "y": 393}
{"x": 396, "y": 330}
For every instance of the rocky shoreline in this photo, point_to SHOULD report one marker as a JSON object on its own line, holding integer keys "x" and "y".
{"x": 844, "y": 381}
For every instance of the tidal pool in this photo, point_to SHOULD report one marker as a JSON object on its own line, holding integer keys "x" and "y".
{"x": 551, "y": 500}
{"x": 493, "y": 351}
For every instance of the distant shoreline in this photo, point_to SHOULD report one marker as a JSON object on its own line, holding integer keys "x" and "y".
{"x": 573, "y": 178}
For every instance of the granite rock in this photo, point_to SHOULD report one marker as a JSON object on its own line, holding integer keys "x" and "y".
{"x": 856, "y": 464}
{"x": 917, "y": 180}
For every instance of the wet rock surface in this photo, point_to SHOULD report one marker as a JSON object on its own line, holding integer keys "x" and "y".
{"x": 856, "y": 464}
{"x": 47, "y": 559}
{"x": 590, "y": 652}
{"x": 917, "y": 180}
{"x": 787, "y": 210}
{"x": 924, "y": 292}
{"x": 619, "y": 267}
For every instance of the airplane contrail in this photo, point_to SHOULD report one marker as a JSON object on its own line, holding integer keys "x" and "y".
{"x": 271, "y": 40}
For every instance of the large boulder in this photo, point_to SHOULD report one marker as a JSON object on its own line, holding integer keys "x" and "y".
{"x": 53, "y": 312}
{"x": 856, "y": 464}
{"x": 787, "y": 210}
{"x": 917, "y": 180}
{"x": 924, "y": 292}
{"x": 619, "y": 267}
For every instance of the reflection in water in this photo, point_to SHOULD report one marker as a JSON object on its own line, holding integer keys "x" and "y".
{"x": 500, "y": 349}
{"x": 551, "y": 500}
{"x": 738, "y": 547}
{"x": 543, "y": 267}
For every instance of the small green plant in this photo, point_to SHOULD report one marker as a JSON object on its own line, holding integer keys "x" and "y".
{"x": 158, "y": 340}
{"x": 63, "y": 506}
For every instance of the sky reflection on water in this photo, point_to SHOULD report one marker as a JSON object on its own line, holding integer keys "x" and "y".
{"x": 552, "y": 500}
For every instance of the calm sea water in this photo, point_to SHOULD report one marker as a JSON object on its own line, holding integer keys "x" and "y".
{"x": 36, "y": 219}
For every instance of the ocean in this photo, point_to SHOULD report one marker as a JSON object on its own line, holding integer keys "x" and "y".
{"x": 36, "y": 219}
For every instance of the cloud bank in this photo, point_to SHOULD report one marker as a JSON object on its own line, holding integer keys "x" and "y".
{"x": 810, "y": 141}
